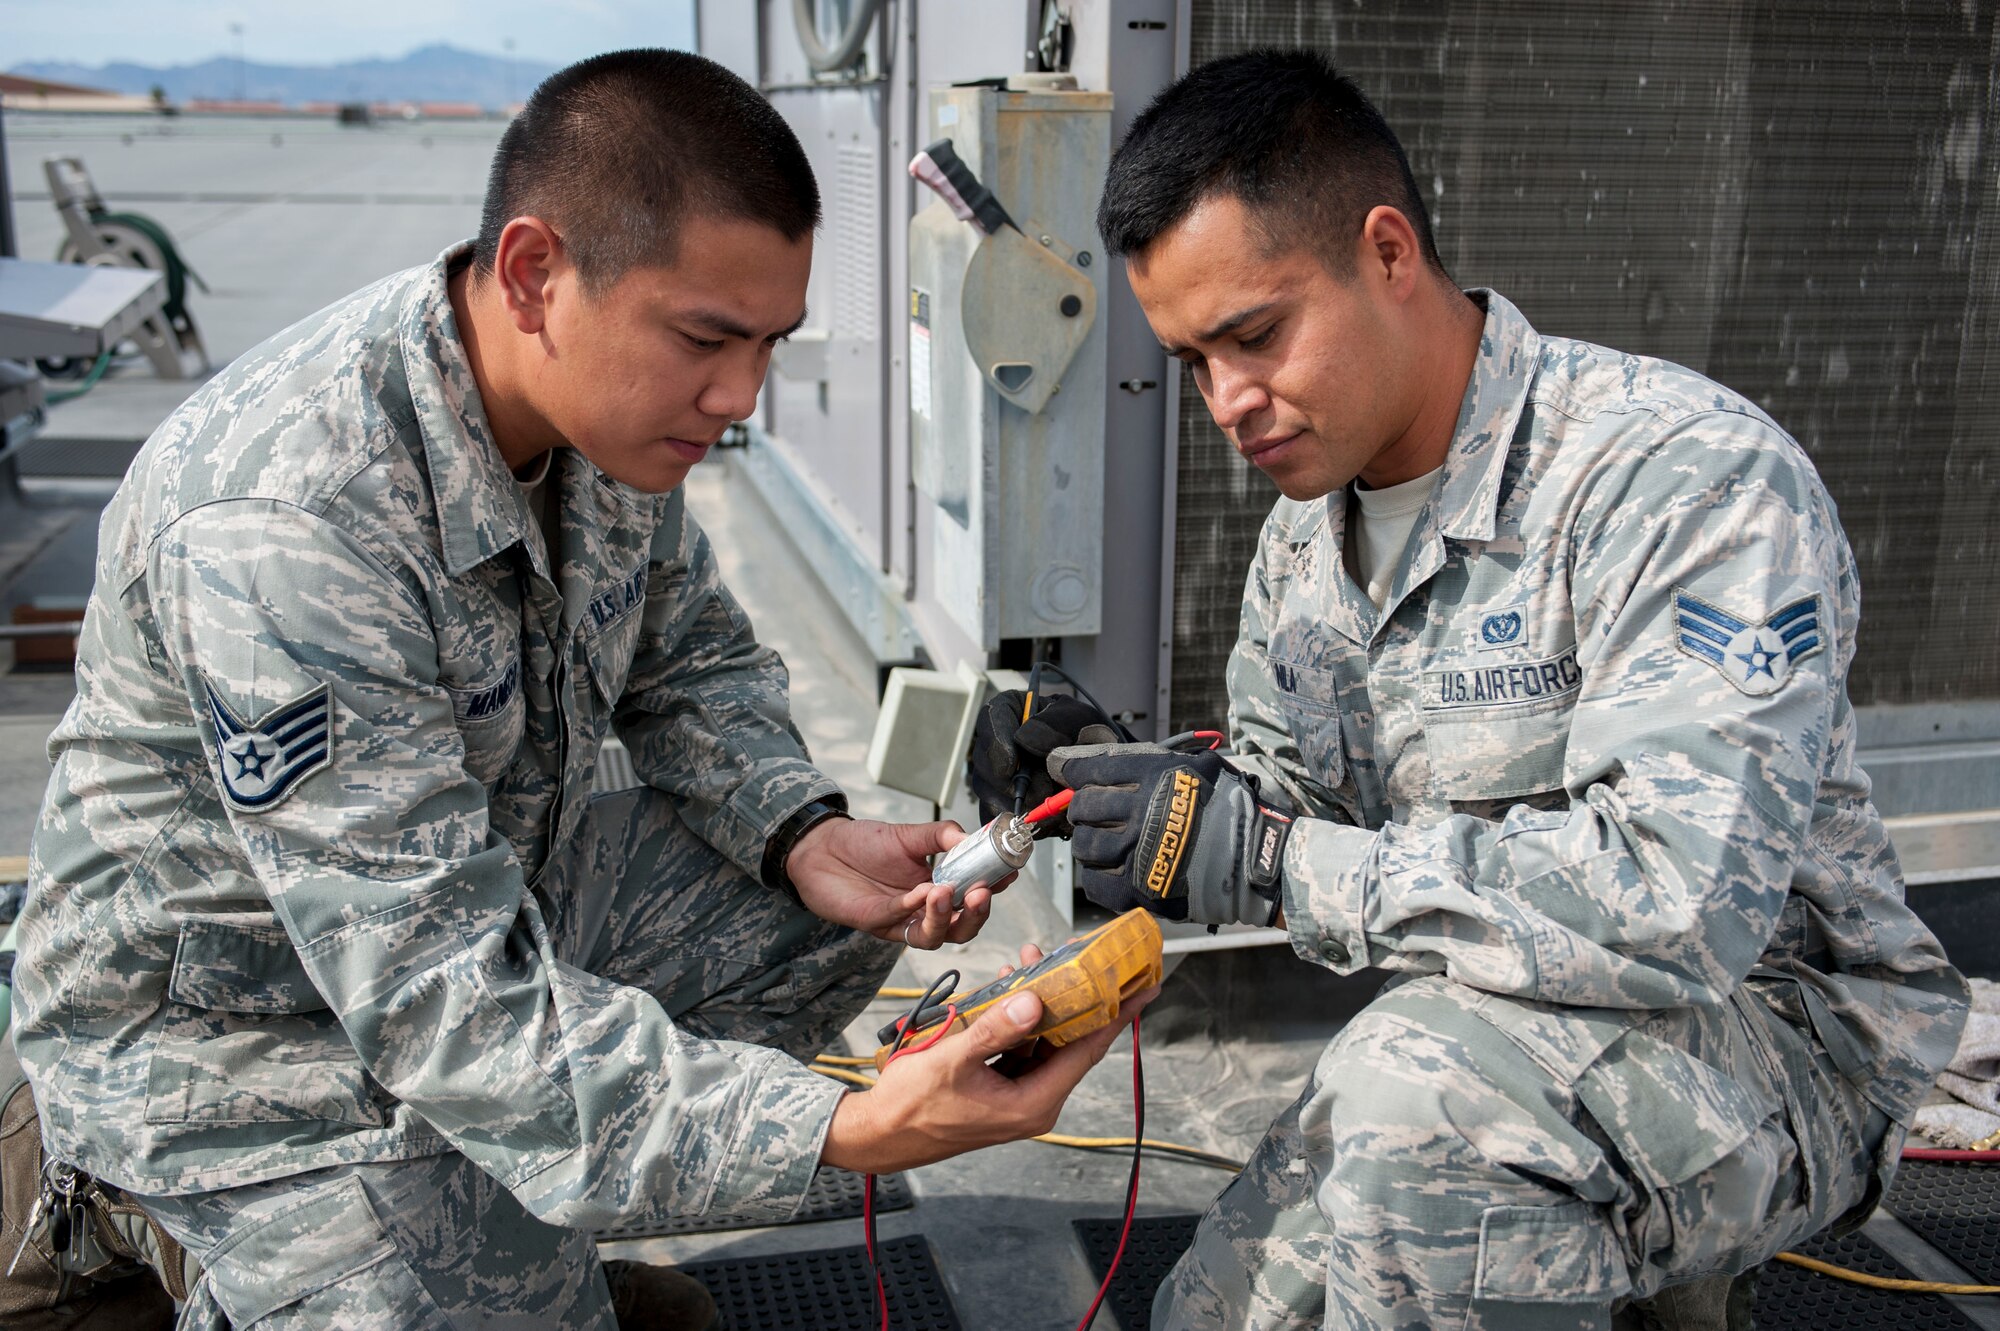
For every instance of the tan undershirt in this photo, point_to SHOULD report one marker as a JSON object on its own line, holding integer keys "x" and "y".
{"x": 1383, "y": 521}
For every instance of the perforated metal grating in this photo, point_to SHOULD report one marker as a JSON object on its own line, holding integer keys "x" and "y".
{"x": 835, "y": 1194}
{"x": 1786, "y": 197}
{"x": 829, "y": 1290}
{"x": 1218, "y": 515}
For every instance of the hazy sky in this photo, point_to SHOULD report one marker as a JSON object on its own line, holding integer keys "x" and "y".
{"x": 319, "y": 32}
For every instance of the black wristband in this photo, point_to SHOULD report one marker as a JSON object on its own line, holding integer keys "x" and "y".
{"x": 1266, "y": 870}
{"x": 1268, "y": 833}
{"x": 779, "y": 848}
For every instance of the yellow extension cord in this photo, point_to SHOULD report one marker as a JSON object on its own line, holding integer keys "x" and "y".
{"x": 1883, "y": 1282}
{"x": 838, "y": 1067}
{"x": 842, "y": 1074}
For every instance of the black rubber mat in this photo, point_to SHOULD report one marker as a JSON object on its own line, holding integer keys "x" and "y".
{"x": 1791, "y": 1298}
{"x": 835, "y": 1194}
{"x": 830, "y": 1290}
{"x": 1956, "y": 1208}
{"x": 1157, "y": 1242}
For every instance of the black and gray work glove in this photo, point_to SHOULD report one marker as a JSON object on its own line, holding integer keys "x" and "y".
{"x": 1004, "y": 746}
{"x": 1183, "y": 834}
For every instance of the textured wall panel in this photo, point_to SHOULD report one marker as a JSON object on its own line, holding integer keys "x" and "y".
{"x": 1796, "y": 199}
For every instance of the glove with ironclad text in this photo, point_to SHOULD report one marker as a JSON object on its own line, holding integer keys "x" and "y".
{"x": 1004, "y": 746}
{"x": 1185, "y": 835}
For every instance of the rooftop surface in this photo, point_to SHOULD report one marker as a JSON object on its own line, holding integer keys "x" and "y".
{"x": 282, "y": 217}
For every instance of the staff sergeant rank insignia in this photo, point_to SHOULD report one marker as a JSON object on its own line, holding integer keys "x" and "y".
{"x": 261, "y": 764}
{"x": 1756, "y": 658}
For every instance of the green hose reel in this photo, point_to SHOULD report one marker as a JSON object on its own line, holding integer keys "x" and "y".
{"x": 137, "y": 241}
{"x": 145, "y": 244}
{"x": 94, "y": 234}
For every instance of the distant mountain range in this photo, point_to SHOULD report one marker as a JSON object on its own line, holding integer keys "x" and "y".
{"x": 437, "y": 73}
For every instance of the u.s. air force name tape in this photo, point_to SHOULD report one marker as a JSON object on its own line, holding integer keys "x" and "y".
{"x": 1502, "y": 685}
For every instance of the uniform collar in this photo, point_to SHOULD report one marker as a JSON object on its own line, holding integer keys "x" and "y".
{"x": 479, "y": 506}
{"x": 1468, "y": 496}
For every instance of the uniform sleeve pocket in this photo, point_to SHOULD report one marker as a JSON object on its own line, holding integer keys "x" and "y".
{"x": 232, "y": 967}
{"x": 246, "y": 1038}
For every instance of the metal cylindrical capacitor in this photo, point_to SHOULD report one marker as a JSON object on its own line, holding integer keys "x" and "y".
{"x": 985, "y": 857}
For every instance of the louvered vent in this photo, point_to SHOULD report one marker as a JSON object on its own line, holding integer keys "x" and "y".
{"x": 857, "y": 247}
{"x": 1795, "y": 199}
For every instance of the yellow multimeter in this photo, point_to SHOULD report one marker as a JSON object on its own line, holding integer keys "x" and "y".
{"x": 1081, "y": 985}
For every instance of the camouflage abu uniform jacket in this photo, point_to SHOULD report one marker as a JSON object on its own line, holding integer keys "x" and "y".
{"x": 1596, "y": 751}
{"x": 334, "y": 708}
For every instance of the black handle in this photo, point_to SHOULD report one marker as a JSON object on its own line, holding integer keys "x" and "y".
{"x": 985, "y": 206}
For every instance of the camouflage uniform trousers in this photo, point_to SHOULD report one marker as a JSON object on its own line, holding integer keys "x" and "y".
{"x": 434, "y": 1243}
{"x": 1436, "y": 1173}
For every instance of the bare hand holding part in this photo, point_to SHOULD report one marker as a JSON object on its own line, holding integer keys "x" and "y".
{"x": 876, "y": 877}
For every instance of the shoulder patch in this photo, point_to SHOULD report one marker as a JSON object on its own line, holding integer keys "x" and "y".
{"x": 262, "y": 762}
{"x": 1756, "y": 657}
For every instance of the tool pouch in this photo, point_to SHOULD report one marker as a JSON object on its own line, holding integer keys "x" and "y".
{"x": 105, "y": 1263}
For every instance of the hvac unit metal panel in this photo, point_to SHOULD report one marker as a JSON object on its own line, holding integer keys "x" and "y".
{"x": 1796, "y": 199}
{"x": 835, "y": 424}
{"x": 1016, "y": 479}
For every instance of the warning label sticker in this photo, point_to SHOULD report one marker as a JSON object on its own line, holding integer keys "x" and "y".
{"x": 920, "y": 352}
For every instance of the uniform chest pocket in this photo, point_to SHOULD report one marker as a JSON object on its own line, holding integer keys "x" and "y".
{"x": 1497, "y": 753}
{"x": 611, "y": 633}
{"x": 1310, "y": 701}
{"x": 491, "y": 721}
{"x": 1500, "y": 731}
{"x": 610, "y": 654}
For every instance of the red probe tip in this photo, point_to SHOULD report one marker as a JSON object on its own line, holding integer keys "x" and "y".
{"x": 1049, "y": 807}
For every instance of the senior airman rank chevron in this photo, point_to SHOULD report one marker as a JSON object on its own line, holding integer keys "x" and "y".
{"x": 1756, "y": 658}
{"x": 263, "y": 763}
